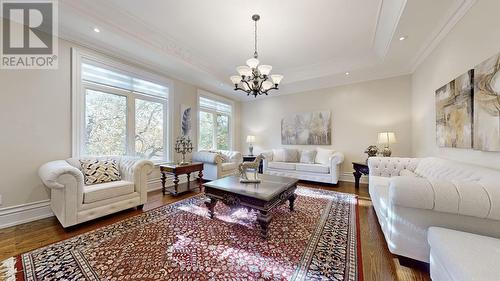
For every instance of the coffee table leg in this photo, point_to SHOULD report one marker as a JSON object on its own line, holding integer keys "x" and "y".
{"x": 200, "y": 179}
{"x": 210, "y": 203}
{"x": 291, "y": 200}
{"x": 264, "y": 218}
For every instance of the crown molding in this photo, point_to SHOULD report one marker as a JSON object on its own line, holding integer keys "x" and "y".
{"x": 454, "y": 16}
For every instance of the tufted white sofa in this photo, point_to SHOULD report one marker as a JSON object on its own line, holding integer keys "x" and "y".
{"x": 73, "y": 202}
{"x": 218, "y": 163}
{"x": 326, "y": 173}
{"x": 411, "y": 194}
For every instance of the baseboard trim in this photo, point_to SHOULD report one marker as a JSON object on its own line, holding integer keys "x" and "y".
{"x": 24, "y": 213}
{"x": 349, "y": 177}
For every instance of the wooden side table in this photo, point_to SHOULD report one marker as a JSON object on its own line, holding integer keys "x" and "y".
{"x": 250, "y": 158}
{"x": 360, "y": 168}
{"x": 176, "y": 170}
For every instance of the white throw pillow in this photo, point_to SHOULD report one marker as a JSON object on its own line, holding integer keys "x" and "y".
{"x": 323, "y": 155}
{"x": 279, "y": 155}
{"x": 308, "y": 156}
{"x": 291, "y": 155}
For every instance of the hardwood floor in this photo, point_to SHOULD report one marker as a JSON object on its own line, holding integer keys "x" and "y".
{"x": 378, "y": 262}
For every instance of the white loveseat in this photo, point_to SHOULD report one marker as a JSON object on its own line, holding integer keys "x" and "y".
{"x": 73, "y": 202}
{"x": 326, "y": 170}
{"x": 412, "y": 194}
{"x": 218, "y": 163}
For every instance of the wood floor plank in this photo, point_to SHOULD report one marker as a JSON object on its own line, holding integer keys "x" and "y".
{"x": 378, "y": 262}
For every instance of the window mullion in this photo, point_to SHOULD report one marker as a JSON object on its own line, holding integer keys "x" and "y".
{"x": 131, "y": 125}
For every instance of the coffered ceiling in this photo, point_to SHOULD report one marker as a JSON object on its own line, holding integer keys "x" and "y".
{"x": 312, "y": 43}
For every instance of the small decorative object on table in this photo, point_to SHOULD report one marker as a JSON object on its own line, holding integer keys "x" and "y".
{"x": 250, "y": 141}
{"x": 372, "y": 151}
{"x": 254, "y": 166}
{"x": 183, "y": 145}
{"x": 386, "y": 138}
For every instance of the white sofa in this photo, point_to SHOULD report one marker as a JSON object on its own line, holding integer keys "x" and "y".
{"x": 461, "y": 256}
{"x": 327, "y": 172}
{"x": 218, "y": 163}
{"x": 412, "y": 194}
{"x": 73, "y": 202}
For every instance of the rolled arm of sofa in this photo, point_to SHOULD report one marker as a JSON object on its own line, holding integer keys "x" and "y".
{"x": 131, "y": 167}
{"x": 206, "y": 157}
{"x": 50, "y": 172}
{"x": 337, "y": 158}
{"x": 391, "y": 166}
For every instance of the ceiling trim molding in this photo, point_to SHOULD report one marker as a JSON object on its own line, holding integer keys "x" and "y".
{"x": 441, "y": 32}
{"x": 390, "y": 14}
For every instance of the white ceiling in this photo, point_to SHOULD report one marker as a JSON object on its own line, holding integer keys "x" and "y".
{"x": 312, "y": 43}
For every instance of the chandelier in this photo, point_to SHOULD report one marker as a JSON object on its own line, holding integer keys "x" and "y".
{"x": 254, "y": 79}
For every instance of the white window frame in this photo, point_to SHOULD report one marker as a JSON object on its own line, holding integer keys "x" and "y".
{"x": 203, "y": 93}
{"x": 78, "y": 91}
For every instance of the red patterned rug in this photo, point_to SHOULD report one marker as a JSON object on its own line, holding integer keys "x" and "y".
{"x": 317, "y": 241}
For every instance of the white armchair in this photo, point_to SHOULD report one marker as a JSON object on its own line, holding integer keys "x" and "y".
{"x": 73, "y": 202}
{"x": 218, "y": 164}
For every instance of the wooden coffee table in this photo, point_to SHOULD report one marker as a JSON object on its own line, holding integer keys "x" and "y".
{"x": 271, "y": 192}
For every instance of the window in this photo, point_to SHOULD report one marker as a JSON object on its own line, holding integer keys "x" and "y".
{"x": 214, "y": 124}
{"x": 119, "y": 113}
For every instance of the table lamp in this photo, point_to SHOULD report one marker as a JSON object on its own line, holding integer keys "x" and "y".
{"x": 250, "y": 141}
{"x": 386, "y": 138}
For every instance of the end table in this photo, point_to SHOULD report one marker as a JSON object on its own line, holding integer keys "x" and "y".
{"x": 176, "y": 170}
{"x": 360, "y": 168}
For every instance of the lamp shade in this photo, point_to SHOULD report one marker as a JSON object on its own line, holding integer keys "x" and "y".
{"x": 276, "y": 78}
{"x": 265, "y": 69}
{"x": 235, "y": 79}
{"x": 252, "y": 62}
{"x": 386, "y": 137}
{"x": 267, "y": 85}
{"x": 244, "y": 70}
{"x": 250, "y": 139}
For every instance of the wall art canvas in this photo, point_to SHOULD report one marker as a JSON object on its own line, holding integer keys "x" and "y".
{"x": 186, "y": 120}
{"x": 487, "y": 105}
{"x": 312, "y": 128}
{"x": 454, "y": 112}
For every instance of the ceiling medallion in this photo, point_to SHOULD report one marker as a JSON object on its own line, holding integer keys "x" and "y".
{"x": 253, "y": 78}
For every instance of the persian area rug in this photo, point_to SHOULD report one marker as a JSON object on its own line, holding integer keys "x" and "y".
{"x": 319, "y": 240}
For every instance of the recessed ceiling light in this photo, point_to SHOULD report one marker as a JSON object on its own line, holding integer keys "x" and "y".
{"x": 402, "y": 38}
{"x": 97, "y": 30}
{"x": 347, "y": 73}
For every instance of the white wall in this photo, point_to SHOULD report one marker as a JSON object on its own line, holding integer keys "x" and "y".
{"x": 35, "y": 122}
{"x": 475, "y": 38}
{"x": 359, "y": 112}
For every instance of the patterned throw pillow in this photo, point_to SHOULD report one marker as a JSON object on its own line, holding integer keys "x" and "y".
{"x": 99, "y": 171}
{"x": 308, "y": 156}
{"x": 291, "y": 155}
{"x": 279, "y": 155}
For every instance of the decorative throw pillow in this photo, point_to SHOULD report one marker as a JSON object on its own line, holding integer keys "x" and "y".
{"x": 323, "y": 155}
{"x": 279, "y": 155}
{"x": 224, "y": 157}
{"x": 291, "y": 155}
{"x": 308, "y": 156}
{"x": 99, "y": 171}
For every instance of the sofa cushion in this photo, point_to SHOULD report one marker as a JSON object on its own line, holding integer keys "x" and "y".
{"x": 314, "y": 168}
{"x": 99, "y": 171}
{"x": 282, "y": 165}
{"x": 465, "y": 256}
{"x": 102, "y": 191}
{"x": 229, "y": 166}
{"x": 323, "y": 155}
{"x": 291, "y": 155}
{"x": 279, "y": 155}
{"x": 308, "y": 156}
